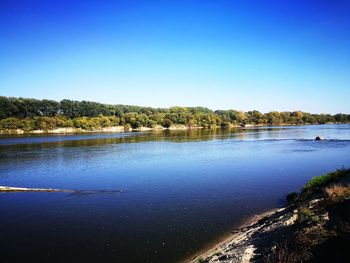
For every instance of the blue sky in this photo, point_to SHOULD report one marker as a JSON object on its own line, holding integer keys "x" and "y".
{"x": 264, "y": 55}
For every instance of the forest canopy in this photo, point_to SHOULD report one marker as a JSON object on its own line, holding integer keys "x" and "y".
{"x": 32, "y": 114}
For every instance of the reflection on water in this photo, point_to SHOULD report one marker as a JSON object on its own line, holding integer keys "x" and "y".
{"x": 151, "y": 196}
{"x": 256, "y": 133}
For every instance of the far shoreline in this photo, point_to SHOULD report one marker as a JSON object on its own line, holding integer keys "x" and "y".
{"x": 121, "y": 129}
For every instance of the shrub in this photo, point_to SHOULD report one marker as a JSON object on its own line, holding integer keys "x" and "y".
{"x": 167, "y": 123}
{"x": 151, "y": 124}
{"x": 81, "y": 123}
{"x": 28, "y": 125}
{"x": 10, "y": 123}
{"x": 127, "y": 127}
{"x": 292, "y": 198}
{"x": 225, "y": 124}
{"x": 306, "y": 216}
{"x": 135, "y": 124}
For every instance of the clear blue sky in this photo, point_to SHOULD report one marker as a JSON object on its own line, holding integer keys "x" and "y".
{"x": 264, "y": 55}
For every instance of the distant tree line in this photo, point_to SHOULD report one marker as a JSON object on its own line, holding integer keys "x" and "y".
{"x": 32, "y": 114}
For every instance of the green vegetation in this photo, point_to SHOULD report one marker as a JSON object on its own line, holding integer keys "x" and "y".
{"x": 32, "y": 114}
{"x": 317, "y": 183}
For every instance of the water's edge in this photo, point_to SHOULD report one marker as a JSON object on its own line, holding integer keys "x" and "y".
{"x": 232, "y": 236}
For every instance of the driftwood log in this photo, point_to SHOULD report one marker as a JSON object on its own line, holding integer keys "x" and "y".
{"x": 75, "y": 192}
{"x": 24, "y": 189}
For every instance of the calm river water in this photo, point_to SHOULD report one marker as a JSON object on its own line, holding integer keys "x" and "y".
{"x": 152, "y": 196}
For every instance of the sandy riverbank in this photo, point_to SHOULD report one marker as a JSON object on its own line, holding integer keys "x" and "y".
{"x": 241, "y": 244}
{"x": 114, "y": 129}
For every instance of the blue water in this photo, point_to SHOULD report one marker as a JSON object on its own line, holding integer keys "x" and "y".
{"x": 170, "y": 193}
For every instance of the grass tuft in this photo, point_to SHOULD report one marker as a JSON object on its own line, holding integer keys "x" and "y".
{"x": 337, "y": 192}
{"x": 317, "y": 183}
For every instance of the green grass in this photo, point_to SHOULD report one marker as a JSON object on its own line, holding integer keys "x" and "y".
{"x": 317, "y": 183}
